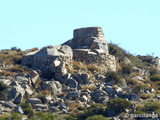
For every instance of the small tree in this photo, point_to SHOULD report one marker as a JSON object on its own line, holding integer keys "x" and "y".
{"x": 118, "y": 104}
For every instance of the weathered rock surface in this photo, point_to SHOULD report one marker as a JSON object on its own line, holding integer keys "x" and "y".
{"x": 54, "y": 87}
{"x": 44, "y": 58}
{"x": 90, "y": 46}
{"x": 156, "y": 62}
{"x": 90, "y": 38}
{"x": 34, "y": 101}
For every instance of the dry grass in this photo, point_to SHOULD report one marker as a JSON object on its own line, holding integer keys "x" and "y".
{"x": 7, "y": 73}
{"x": 138, "y": 106}
{"x": 89, "y": 87}
{"x": 73, "y": 109}
{"x": 135, "y": 74}
{"x": 93, "y": 68}
{"x": 73, "y": 106}
{"x": 77, "y": 66}
{"x": 16, "y": 68}
{"x": 145, "y": 96}
{"x": 10, "y": 57}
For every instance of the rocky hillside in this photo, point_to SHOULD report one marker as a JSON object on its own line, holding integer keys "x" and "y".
{"x": 83, "y": 78}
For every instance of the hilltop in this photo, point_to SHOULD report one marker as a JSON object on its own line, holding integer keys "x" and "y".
{"x": 83, "y": 78}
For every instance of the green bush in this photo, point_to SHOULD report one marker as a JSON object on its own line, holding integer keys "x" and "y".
{"x": 154, "y": 78}
{"x": 126, "y": 69}
{"x": 112, "y": 76}
{"x": 147, "y": 58}
{"x": 94, "y": 109}
{"x": 118, "y": 104}
{"x": 44, "y": 116}
{"x": 4, "y": 117}
{"x": 16, "y": 116}
{"x": 153, "y": 71}
{"x": 27, "y": 109}
{"x": 117, "y": 51}
{"x": 25, "y": 105}
{"x": 138, "y": 62}
{"x": 69, "y": 118}
{"x": 151, "y": 106}
{"x": 96, "y": 117}
{"x": 137, "y": 88}
{"x": 3, "y": 88}
{"x": 139, "y": 112}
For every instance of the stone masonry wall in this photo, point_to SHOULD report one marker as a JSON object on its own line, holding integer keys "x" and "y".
{"x": 104, "y": 61}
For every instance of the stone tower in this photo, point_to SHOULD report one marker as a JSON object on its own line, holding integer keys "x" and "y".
{"x": 88, "y": 38}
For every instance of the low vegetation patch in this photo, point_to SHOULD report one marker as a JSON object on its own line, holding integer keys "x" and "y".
{"x": 118, "y": 104}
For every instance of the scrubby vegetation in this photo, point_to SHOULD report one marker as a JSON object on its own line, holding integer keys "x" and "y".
{"x": 118, "y": 104}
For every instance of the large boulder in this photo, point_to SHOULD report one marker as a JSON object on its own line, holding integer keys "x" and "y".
{"x": 99, "y": 96}
{"x": 54, "y": 87}
{"x": 16, "y": 92}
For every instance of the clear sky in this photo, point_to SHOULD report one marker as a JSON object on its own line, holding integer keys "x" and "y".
{"x": 133, "y": 24}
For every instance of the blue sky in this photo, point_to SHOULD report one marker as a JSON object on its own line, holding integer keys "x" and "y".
{"x": 132, "y": 24}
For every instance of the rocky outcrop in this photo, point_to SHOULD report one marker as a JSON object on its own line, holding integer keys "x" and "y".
{"x": 90, "y": 46}
{"x": 88, "y": 38}
{"x": 44, "y": 59}
{"x": 54, "y": 87}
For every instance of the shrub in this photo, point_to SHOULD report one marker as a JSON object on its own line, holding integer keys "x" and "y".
{"x": 118, "y": 104}
{"x": 138, "y": 62}
{"x": 147, "y": 58}
{"x": 154, "y": 78}
{"x": 3, "y": 88}
{"x": 151, "y": 106}
{"x": 117, "y": 51}
{"x": 94, "y": 109}
{"x": 69, "y": 118}
{"x": 112, "y": 76}
{"x": 44, "y": 116}
{"x": 4, "y": 117}
{"x": 96, "y": 117}
{"x": 138, "y": 88}
{"x": 25, "y": 105}
{"x": 153, "y": 71}
{"x": 28, "y": 111}
{"x": 16, "y": 116}
{"x": 126, "y": 69}
{"x": 139, "y": 112}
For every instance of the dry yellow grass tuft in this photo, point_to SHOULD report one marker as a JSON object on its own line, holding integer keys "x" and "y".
{"x": 7, "y": 73}
{"x": 89, "y": 87}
